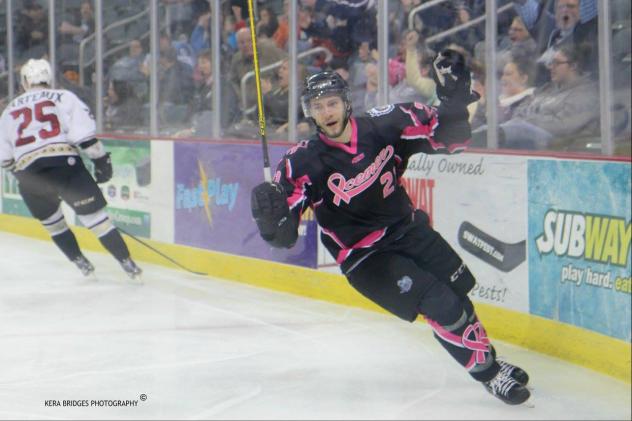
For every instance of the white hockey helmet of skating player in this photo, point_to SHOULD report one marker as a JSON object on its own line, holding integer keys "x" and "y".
{"x": 35, "y": 72}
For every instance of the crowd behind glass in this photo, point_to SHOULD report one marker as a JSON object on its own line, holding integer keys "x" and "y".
{"x": 547, "y": 63}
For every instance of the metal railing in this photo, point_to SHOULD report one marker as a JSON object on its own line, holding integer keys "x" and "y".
{"x": 83, "y": 63}
{"x": 275, "y": 65}
{"x": 424, "y": 6}
{"x": 475, "y": 21}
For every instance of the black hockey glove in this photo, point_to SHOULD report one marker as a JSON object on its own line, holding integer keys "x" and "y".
{"x": 103, "y": 168}
{"x": 453, "y": 80}
{"x": 269, "y": 207}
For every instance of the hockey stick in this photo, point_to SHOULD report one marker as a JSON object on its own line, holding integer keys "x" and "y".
{"x": 262, "y": 120}
{"x": 502, "y": 256}
{"x": 181, "y": 266}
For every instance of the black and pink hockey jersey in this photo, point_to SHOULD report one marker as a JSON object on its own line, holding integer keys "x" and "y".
{"x": 354, "y": 188}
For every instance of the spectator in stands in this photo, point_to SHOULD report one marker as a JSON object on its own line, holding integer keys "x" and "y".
{"x": 268, "y": 25}
{"x": 81, "y": 27}
{"x": 418, "y": 67}
{"x": 282, "y": 34}
{"x": 276, "y": 102}
{"x": 398, "y": 19}
{"x": 517, "y": 42}
{"x": 239, "y": 9}
{"x": 202, "y": 102}
{"x": 357, "y": 65}
{"x": 122, "y": 106}
{"x": 436, "y": 19}
{"x": 32, "y": 30}
{"x": 467, "y": 37}
{"x": 334, "y": 32}
{"x": 242, "y": 61}
{"x": 516, "y": 86}
{"x": 561, "y": 109}
{"x": 356, "y": 93}
{"x": 129, "y": 67}
{"x": 516, "y": 92}
{"x": 566, "y": 26}
{"x": 175, "y": 79}
{"x": 181, "y": 15}
{"x": 478, "y": 110}
{"x": 69, "y": 79}
{"x": 200, "y": 36}
{"x": 399, "y": 91}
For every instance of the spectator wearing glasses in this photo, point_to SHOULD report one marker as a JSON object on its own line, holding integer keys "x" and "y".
{"x": 562, "y": 109}
{"x": 566, "y": 26}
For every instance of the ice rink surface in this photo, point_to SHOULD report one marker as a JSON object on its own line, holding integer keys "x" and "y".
{"x": 203, "y": 348}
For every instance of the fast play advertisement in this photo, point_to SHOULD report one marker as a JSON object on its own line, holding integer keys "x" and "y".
{"x": 579, "y": 244}
{"x": 212, "y": 202}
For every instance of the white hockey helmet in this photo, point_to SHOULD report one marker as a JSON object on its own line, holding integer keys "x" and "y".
{"x": 35, "y": 72}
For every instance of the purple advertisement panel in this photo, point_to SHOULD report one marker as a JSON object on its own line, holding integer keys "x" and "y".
{"x": 212, "y": 202}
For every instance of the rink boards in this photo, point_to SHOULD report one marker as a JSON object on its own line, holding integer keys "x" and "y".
{"x": 547, "y": 239}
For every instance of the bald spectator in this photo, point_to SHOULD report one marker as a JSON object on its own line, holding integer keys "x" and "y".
{"x": 242, "y": 62}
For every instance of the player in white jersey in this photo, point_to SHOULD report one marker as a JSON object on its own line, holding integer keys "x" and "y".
{"x": 41, "y": 133}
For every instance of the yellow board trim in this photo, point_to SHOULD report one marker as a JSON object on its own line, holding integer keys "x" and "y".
{"x": 599, "y": 352}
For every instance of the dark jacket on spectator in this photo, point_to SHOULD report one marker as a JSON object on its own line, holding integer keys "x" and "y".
{"x": 203, "y": 101}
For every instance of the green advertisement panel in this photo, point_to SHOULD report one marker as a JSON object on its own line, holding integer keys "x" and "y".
{"x": 127, "y": 192}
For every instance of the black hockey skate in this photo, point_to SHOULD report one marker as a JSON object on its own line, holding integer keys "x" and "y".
{"x": 515, "y": 372}
{"x": 84, "y": 265}
{"x": 507, "y": 389}
{"x": 132, "y": 270}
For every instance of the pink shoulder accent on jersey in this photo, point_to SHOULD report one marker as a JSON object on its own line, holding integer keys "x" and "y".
{"x": 352, "y": 147}
{"x": 365, "y": 242}
{"x": 419, "y": 130}
{"x": 298, "y": 194}
{"x": 474, "y": 338}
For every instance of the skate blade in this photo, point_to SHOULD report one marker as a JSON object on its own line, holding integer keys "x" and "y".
{"x": 529, "y": 403}
{"x": 135, "y": 279}
{"x": 90, "y": 278}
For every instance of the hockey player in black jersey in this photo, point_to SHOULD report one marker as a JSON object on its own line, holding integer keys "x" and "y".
{"x": 349, "y": 174}
{"x": 41, "y": 134}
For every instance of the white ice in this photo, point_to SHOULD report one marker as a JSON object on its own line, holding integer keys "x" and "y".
{"x": 204, "y": 348}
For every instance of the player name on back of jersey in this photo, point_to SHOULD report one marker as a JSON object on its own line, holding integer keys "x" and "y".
{"x": 31, "y": 97}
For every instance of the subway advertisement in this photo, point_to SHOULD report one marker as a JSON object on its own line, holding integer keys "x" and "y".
{"x": 579, "y": 244}
{"x": 212, "y": 202}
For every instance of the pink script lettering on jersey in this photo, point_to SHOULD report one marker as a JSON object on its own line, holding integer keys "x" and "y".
{"x": 345, "y": 190}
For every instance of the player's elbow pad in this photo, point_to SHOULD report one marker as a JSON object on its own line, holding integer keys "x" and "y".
{"x": 285, "y": 235}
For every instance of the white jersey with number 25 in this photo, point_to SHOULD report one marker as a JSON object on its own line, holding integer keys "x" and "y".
{"x": 44, "y": 122}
